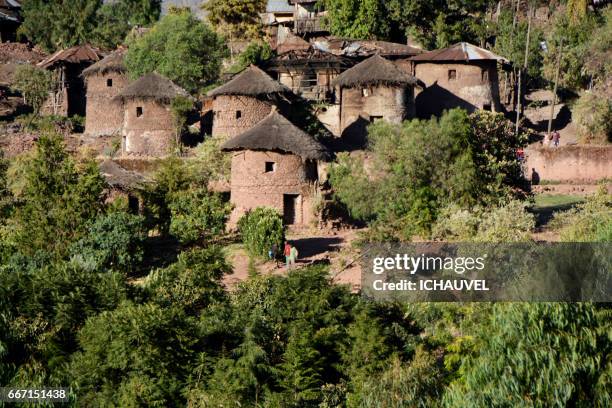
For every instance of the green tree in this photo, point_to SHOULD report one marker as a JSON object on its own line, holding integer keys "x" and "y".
{"x": 197, "y": 215}
{"x": 192, "y": 282}
{"x": 41, "y": 310}
{"x": 182, "y": 48}
{"x": 64, "y": 23}
{"x": 134, "y": 356}
{"x": 236, "y": 19}
{"x": 420, "y": 166}
{"x": 34, "y": 84}
{"x": 117, "y": 18}
{"x": 180, "y": 108}
{"x": 260, "y": 229}
{"x": 572, "y": 39}
{"x": 510, "y": 42}
{"x": 432, "y": 23}
{"x": 113, "y": 241}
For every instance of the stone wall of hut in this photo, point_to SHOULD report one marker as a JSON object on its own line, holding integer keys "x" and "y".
{"x": 150, "y": 134}
{"x": 457, "y": 85}
{"x": 252, "y": 186}
{"x": 104, "y": 115}
{"x": 233, "y": 115}
{"x": 362, "y": 106}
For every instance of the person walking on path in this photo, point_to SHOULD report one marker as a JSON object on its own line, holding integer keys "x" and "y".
{"x": 287, "y": 253}
{"x": 556, "y": 137}
{"x": 273, "y": 254}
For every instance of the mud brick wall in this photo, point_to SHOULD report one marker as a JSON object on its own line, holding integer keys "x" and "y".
{"x": 225, "y": 114}
{"x": 104, "y": 115}
{"x": 152, "y": 134}
{"x": 570, "y": 163}
{"x": 252, "y": 186}
{"x": 475, "y": 86}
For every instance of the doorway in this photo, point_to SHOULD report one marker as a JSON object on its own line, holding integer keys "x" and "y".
{"x": 290, "y": 206}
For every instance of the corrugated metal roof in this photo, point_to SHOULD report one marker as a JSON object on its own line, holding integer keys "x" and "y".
{"x": 460, "y": 52}
{"x": 279, "y": 6}
{"x": 365, "y": 48}
{"x": 73, "y": 55}
{"x": 10, "y": 3}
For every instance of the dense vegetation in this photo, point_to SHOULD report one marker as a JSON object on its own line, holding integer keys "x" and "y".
{"x": 59, "y": 24}
{"x": 181, "y": 47}
{"x": 132, "y": 311}
{"x": 459, "y": 159}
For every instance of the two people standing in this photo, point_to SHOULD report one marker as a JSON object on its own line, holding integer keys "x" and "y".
{"x": 289, "y": 251}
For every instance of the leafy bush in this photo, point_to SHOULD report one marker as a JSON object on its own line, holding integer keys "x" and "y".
{"x": 507, "y": 223}
{"x": 114, "y": 240}
{"x": 535, "y": 354}
{"x": 415, "y": 169}
{"x": 192, "y": 282}
{"x": 593, "y": 115}
{"x": 208, "y": 163}
{"x": 260, "y": 229}
{"x": 197, "y": 215}
{"x": 34, "y": 85}
{"x": 255, "y": 53}
{"x": 135, "y": 355}
{"x": 588, "y": 222}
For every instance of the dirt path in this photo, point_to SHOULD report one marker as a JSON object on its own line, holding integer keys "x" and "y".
{"x": 334, "y": 249}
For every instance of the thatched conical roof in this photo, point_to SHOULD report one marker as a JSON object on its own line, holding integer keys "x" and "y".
{"x": 153, "y": 86}
{"x": 250, "y": 82}
{"x": 376, "y": 70}
{"x": 113, "y": 62}
{"x": 276, "y": 133}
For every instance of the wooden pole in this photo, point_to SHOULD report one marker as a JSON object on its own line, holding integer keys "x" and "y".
{"x": 554, "y": 98}
{"x": 525, "y": 66}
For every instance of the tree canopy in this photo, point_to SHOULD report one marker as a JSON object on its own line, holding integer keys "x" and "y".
{"x": 180, "y": 47}
{"x": 60, "y": 24}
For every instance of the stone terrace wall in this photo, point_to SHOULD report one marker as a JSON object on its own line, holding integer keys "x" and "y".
{"x": 151, "y": 134}
{"x": 225, "y": 121}
{"x": 252, "y": 187}
{"x": 476, "y": 86}
{"x": 570, "y": 163}
{"x": 104, "y": 116}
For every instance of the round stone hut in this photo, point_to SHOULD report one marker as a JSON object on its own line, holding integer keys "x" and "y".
{"x": 148, "y": 128}
{"x": 244, "y": 101}
{"x": 105, "y": 80}
{"x": 275, "y": 164}
{"x": 375, "y": 89}
{"x": 461, "y": 76}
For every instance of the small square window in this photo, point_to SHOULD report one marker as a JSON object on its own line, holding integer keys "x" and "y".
{"x": 270, "y": 167}
{"x": 138, "y": 111}
{"x": 238, "y": 114}
{"x": 452, "y": 74}
{"x": 109, "y": 82}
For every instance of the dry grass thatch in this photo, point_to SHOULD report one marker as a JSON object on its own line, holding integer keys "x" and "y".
{"x": 250, "y": 82}
{"x": 374, "y": 71}
{"x": 276, "y": 133}
{"x": 113, "y": 62}
{"x": 153, "y": 86}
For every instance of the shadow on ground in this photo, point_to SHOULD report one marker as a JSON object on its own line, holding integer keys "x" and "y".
{"x": 310, "y": 247}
